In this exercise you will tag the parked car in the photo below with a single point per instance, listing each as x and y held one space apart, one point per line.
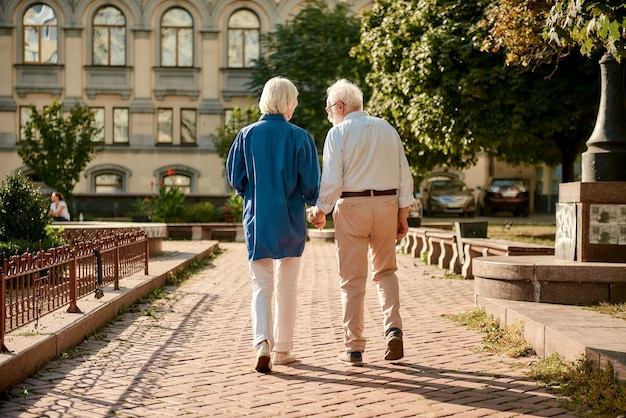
441 195
504 194
415 211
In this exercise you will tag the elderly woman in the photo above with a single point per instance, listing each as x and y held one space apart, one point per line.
273 165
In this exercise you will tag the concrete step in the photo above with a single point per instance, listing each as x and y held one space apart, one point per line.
571 331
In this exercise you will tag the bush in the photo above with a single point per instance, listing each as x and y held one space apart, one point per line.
53 239
23 210
24 219
167 206
235 206
200 212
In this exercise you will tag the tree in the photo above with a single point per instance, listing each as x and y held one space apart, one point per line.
596 25
450 99
312 50
517 26
226 135
58 148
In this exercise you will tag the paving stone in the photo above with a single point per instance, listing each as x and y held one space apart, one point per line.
190 355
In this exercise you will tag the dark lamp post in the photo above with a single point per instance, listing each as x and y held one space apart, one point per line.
605 158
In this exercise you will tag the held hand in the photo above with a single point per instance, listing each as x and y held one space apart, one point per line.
316 217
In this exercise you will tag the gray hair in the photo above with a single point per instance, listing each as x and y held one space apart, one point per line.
347 92
279 96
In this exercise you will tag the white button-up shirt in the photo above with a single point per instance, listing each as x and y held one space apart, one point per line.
363 152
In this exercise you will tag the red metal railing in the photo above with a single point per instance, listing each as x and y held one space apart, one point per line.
37 283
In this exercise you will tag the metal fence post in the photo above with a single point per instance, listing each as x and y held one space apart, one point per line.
146 253
116 265
73 285
3 304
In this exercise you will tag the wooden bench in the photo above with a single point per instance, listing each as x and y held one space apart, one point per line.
482 247
418 241
441 248
219 231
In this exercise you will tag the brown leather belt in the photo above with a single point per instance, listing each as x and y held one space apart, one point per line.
369 193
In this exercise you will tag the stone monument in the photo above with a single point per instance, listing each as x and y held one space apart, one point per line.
589 262
591 215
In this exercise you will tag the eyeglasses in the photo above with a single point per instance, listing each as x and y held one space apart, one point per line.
327 108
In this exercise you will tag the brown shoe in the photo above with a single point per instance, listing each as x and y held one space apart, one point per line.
395 347
352 358
263 360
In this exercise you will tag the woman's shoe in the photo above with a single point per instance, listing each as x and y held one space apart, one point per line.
284 357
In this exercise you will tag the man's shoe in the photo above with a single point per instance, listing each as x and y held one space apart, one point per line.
395 347
263 360
283 357
352 358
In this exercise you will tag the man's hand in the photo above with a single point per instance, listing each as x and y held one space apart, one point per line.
403 224
316 217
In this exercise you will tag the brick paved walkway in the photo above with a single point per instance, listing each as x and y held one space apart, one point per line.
191 356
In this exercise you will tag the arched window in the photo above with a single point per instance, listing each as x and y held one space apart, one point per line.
109 37
243 39
177 38
40 41
108 183
108 178
180 181
179 176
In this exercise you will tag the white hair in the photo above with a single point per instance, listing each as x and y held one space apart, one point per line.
279 96
347 92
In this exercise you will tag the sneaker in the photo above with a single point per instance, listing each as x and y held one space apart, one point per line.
263 360
395 347
283 357
351 358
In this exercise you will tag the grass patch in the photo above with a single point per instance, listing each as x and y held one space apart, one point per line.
587 391
584 390
508 340
540 234
616 310
176 278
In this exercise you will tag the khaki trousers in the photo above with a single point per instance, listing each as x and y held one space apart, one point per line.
366 227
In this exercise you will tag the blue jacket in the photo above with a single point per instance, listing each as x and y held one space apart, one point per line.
273 165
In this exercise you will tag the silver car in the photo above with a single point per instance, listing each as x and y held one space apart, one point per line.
448 196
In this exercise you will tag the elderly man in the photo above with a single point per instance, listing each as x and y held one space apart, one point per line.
366 179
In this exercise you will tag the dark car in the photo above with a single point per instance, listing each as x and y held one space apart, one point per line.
448 196
502 194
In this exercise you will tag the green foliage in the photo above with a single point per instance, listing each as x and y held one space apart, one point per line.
24 220
592 25
226 135
167 206
517 26
450 100
592 392
141 208
235 204
23 210
509 340
58 148
312 50
200 212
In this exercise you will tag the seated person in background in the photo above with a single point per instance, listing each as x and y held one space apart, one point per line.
58 208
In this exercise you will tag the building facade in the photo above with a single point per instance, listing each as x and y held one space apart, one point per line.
160 76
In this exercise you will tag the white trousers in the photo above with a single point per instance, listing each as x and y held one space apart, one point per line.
277 329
